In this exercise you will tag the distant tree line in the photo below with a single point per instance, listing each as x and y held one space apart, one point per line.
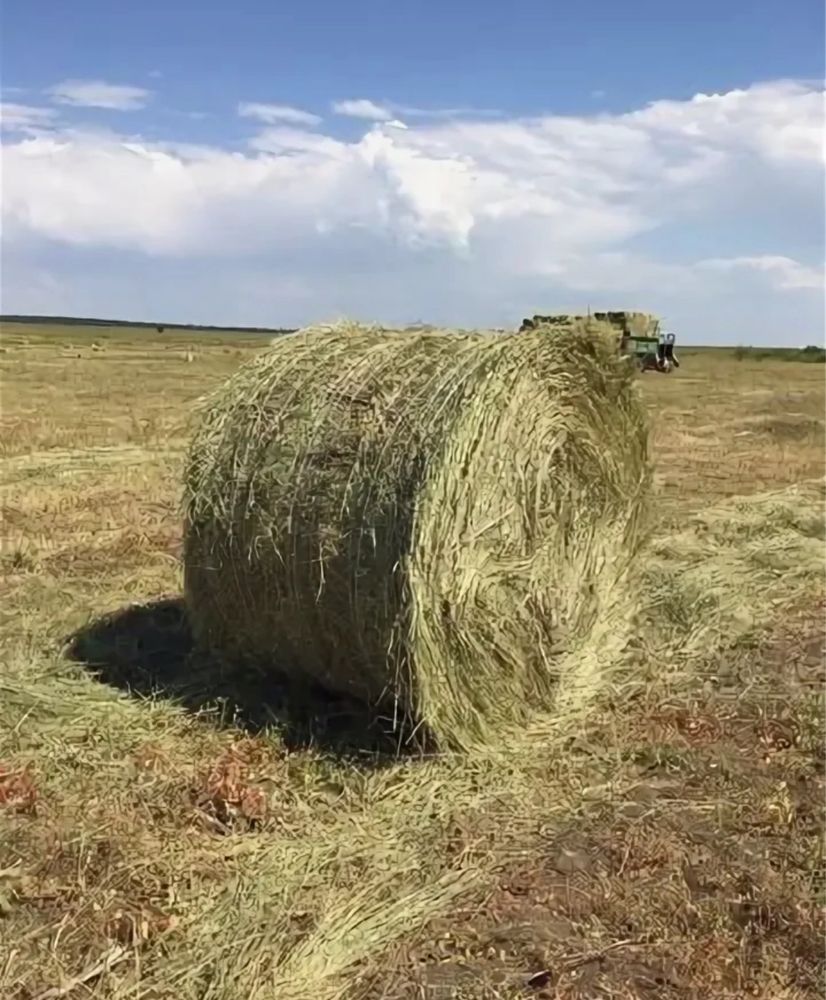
811 353
140 324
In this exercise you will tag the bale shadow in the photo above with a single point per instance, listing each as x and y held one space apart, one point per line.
148 650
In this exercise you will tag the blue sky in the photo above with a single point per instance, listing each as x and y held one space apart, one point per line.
462 162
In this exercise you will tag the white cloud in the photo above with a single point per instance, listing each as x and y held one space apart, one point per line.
707 210
284 140
787 274
272 113
385 111
437 113
25 117
362 108
756 120
98 94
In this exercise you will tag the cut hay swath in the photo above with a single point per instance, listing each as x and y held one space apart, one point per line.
432 522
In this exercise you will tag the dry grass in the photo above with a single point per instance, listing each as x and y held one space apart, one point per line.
440 524
215 841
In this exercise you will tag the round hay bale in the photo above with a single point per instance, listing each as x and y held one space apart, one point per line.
434 520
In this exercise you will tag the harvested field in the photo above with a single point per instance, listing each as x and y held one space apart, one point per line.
169 830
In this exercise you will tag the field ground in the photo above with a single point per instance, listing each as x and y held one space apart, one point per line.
167 833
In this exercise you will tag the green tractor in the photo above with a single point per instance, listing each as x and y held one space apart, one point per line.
640 336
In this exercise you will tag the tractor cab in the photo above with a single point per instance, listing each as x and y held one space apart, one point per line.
654 353
644 341
666 359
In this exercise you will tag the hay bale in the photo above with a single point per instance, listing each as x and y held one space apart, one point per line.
634 323
439 520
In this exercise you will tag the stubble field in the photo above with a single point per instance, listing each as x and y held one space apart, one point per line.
169 831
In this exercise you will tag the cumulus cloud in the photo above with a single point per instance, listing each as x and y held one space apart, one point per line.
362 108
99 94
272 113
679 207
756 120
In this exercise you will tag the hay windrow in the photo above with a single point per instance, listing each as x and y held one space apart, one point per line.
438 522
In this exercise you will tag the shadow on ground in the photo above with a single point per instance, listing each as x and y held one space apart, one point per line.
148 650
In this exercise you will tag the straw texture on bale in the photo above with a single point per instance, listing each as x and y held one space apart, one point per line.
435 521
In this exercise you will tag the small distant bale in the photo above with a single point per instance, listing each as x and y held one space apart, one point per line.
160 329
438 524
97 347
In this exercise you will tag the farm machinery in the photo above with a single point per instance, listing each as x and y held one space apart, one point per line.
640 336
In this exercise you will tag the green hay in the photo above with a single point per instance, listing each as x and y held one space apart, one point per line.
436 521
